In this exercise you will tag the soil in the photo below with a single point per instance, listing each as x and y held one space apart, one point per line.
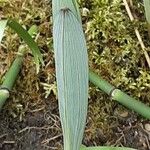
41 130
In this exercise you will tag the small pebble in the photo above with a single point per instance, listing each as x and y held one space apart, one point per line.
124 114
85 12
147 127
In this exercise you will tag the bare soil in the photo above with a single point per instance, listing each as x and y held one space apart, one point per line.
41 130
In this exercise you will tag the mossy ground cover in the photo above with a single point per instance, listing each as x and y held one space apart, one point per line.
30 117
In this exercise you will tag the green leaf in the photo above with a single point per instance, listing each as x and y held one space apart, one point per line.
147 10
62 4
72 76
29 40
3 24
105 148
25 36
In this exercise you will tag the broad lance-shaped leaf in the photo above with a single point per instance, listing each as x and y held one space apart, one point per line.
62 4
72 76
25 36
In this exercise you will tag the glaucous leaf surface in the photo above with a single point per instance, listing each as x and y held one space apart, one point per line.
72 76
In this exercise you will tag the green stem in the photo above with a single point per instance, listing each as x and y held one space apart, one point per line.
10 79
131 103
11 75
120 96
101 83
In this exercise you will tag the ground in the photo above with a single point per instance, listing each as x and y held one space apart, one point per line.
30 118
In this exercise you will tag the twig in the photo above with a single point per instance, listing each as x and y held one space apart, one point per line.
137 33
35 128
51 139
131 3
9 142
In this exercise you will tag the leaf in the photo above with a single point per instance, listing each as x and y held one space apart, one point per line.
3 24
72 76
106 148
61 4
25 36
29 40
147 10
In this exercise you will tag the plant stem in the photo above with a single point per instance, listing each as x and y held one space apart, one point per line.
120 96
11 75
101 83
10 79
131 103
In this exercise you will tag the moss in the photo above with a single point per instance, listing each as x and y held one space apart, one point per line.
113 47
28 91
115 54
